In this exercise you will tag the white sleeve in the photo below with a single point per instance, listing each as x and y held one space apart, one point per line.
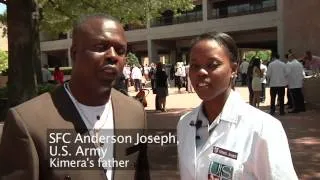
273 158
287 69
268 71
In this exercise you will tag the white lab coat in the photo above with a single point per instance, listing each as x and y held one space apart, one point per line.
258 139
295 74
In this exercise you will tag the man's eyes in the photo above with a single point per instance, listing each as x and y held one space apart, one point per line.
100 48
103 48
121 51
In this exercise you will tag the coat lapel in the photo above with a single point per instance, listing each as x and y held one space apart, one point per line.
188 145
124 125
69 112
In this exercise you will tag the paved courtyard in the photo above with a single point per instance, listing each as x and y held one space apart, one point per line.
303 131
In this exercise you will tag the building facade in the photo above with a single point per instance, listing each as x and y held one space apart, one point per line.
277 25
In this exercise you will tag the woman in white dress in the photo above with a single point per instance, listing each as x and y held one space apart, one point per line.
256 81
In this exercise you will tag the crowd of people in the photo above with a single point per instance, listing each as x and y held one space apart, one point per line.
157 77
282 76
57 77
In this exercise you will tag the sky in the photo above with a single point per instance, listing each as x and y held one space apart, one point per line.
2 8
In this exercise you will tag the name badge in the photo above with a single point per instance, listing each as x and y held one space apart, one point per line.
225 152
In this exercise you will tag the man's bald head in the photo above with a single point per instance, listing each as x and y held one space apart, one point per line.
79 25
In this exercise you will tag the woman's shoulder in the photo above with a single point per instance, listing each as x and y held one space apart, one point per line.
188 116
258 120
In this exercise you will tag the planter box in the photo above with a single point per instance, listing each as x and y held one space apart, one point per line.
311 89
3 81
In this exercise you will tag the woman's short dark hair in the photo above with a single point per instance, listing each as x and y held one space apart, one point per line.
256 62
222 39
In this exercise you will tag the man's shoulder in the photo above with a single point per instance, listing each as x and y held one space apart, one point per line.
125 100
40 101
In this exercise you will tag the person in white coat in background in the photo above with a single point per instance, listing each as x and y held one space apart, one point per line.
224 137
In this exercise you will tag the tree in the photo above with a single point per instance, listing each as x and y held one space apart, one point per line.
55 16
132 59
3 22
3 61
22 45
58 15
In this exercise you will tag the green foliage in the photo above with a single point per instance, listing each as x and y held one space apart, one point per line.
58 15
4 93
3 24
42 88
65 70
250 54
264 55
132 59
3 61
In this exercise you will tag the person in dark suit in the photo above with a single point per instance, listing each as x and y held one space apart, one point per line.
87 102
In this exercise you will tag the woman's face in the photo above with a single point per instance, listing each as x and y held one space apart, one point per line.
210 69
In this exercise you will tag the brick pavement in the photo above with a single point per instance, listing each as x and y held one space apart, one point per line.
303 131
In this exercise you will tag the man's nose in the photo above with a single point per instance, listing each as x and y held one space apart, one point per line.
111 51
111 56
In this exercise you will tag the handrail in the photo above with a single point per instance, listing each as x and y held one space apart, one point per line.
239 10
183 18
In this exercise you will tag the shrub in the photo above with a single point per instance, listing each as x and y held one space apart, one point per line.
3 61
65 70
42 88
3 93
132 59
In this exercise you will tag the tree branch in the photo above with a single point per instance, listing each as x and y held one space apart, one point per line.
89 4
58 9
3 2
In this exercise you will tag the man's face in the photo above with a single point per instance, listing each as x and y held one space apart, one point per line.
99 52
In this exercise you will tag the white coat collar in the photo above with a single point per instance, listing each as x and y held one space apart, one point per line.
230 111
231 108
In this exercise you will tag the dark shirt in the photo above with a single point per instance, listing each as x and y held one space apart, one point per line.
120 84
161 79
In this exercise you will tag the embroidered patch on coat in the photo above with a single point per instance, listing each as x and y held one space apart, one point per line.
218 171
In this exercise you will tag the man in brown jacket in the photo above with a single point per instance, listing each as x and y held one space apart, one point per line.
86 102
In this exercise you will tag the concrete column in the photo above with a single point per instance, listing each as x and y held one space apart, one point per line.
44 58
173 56
69 35
205 10
152 51
69 58
280 29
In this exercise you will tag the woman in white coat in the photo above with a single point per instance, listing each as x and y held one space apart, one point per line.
224 137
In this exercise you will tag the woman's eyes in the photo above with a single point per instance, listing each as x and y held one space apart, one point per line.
212 65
